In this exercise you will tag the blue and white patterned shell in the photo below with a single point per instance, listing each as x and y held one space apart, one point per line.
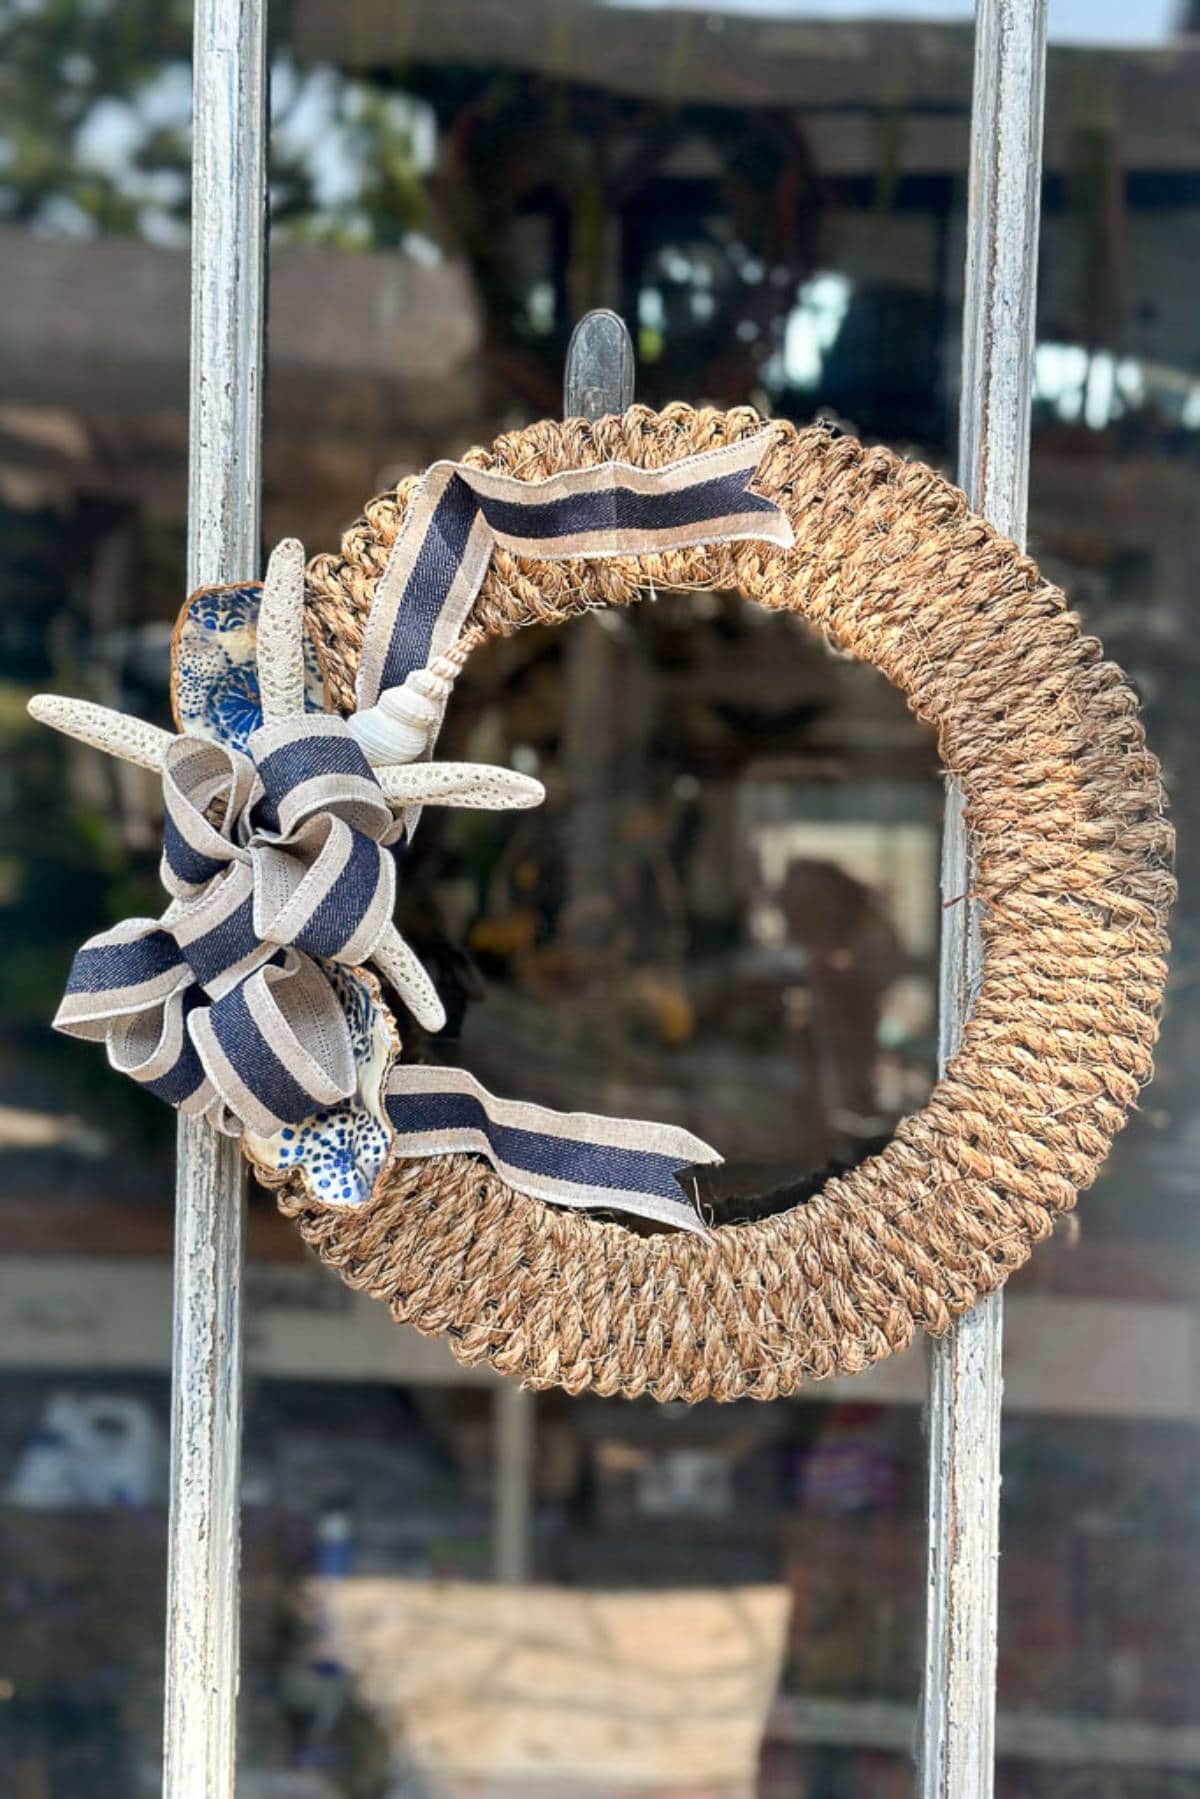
215 680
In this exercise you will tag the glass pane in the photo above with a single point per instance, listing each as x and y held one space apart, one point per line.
93 360
1098 1617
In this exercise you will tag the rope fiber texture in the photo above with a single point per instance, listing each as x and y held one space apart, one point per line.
1074 854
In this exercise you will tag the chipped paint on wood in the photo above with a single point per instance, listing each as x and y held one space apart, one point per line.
956 1746
225 428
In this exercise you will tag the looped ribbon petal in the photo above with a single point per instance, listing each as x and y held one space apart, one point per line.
277 861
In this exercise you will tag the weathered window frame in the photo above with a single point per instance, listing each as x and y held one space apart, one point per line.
956 1733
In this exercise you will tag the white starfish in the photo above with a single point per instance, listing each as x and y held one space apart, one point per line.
394 735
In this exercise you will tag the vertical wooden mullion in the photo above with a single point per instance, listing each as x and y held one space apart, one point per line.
224 468
957 1731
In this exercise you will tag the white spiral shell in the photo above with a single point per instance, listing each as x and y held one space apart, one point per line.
401 725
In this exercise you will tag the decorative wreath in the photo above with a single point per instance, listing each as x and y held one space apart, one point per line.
304 757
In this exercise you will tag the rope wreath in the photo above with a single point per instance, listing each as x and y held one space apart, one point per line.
1066 809
249 1002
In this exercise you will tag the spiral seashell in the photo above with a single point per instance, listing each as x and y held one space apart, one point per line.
401 725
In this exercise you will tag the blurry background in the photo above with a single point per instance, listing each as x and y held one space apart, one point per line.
727 913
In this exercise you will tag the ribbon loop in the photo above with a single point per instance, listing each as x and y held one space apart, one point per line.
328 889
206 787
127 989
216 932
311 765
274 858
155 1049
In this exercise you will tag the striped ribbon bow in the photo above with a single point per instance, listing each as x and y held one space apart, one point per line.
221 1006
279 863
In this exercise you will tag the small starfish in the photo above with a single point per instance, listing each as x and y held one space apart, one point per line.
395 736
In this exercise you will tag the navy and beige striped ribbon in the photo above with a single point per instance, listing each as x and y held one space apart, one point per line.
221 1006
568 1158
278 861
421 603
460 515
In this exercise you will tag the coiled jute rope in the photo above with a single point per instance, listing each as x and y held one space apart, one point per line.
1073 852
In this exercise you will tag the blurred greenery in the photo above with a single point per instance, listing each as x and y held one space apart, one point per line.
60 62
95 103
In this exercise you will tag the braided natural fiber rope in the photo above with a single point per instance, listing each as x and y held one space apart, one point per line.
1066 807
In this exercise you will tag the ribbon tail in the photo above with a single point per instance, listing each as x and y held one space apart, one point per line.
565 1158
619 509
440 557
428 586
